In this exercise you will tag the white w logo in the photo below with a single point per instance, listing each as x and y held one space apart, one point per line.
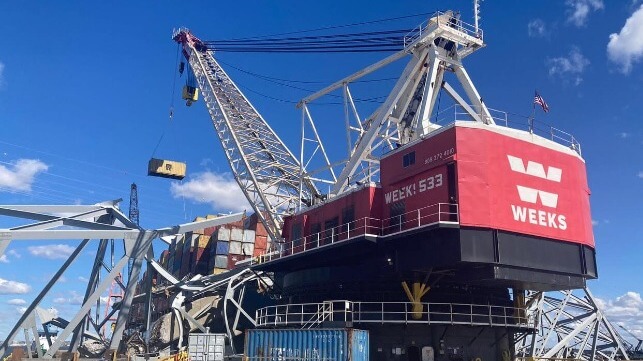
531 195
534 169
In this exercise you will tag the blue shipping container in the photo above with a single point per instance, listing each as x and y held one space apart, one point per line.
223 247
344 344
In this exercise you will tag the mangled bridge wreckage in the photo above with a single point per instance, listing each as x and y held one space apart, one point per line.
456 233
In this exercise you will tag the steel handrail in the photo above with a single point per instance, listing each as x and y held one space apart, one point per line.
394 312
418 219
452 22
457 112
433 214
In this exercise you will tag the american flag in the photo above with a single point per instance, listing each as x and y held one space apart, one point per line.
540 101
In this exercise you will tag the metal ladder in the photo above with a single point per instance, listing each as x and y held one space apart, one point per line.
324 313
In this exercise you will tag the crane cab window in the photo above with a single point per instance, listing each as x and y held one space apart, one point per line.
398 217
348 217
408 159
296 232
330 230
296 238
315 231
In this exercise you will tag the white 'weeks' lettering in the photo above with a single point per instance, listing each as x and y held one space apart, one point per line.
539 217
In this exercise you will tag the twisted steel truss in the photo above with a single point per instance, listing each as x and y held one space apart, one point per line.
571 326
103 222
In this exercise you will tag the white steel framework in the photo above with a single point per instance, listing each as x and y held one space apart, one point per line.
435 48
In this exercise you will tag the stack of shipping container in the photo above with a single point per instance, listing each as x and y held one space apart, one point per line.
230 246
208 251
235 242
217 249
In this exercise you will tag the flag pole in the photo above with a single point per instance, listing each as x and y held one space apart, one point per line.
533 114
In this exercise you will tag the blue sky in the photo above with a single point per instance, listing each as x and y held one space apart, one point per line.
85 91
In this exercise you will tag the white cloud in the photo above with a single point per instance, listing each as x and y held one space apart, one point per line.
537 28
595 222
579 10
1 75
83 279
17 302
54 251
624 135
14 253
4 259
640 174
205 162
13 288
625 310
21 175
74 299
569 68
219 190
21 310
626 47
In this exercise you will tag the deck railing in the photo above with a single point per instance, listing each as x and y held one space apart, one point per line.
309 314
435 214
425 216
457 113
442 19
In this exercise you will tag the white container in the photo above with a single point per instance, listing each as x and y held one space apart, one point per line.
236 234
223 234
248 248
249 236
206 346
235 247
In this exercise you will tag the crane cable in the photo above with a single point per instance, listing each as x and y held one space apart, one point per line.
377 41
171 112
339 26
357 42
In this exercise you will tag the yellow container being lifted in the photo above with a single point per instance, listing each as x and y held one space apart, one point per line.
190 94
166 169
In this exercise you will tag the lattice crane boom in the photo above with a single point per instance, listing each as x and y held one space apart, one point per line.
266 170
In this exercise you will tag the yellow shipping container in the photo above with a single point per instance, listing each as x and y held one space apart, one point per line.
203 241
217 271
166 168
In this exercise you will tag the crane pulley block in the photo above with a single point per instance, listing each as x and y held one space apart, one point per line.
190 94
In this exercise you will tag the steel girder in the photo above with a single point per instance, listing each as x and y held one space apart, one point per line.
102 221
571 325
